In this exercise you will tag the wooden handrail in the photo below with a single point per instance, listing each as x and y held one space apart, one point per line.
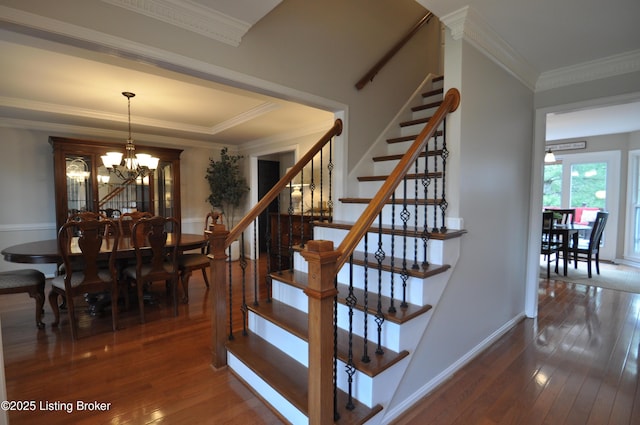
449 104
336 130
391 53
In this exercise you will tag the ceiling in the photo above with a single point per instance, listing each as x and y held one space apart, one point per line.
548 36
564 38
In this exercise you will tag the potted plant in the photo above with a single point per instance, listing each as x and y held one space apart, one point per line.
227 185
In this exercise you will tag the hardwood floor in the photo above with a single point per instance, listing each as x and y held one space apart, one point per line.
577 363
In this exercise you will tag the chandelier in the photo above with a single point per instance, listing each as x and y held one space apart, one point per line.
134 165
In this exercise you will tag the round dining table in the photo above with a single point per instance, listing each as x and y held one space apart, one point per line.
46 251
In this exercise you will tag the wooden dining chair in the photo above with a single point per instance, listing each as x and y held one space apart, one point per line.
549 245
590 250
191 261
127 220
80 243
150 239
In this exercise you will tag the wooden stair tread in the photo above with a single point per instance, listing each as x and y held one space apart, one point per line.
415 122
296 322
389 201
433 92
288 377
417 176
426 106
387 230
400 316
409 139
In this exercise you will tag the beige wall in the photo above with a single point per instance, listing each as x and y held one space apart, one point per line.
304 51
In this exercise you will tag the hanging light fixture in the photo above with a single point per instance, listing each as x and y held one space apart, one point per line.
133 165
549 156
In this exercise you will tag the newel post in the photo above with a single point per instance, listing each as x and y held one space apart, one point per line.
217 258
321 292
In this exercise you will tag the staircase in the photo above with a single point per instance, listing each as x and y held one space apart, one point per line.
385 300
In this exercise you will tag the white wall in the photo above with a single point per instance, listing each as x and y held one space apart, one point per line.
486 290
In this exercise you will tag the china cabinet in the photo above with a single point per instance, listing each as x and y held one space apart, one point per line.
83 183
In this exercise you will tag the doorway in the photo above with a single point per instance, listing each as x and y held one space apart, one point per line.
268 176
588 182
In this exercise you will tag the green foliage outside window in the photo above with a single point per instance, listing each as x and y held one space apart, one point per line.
588 185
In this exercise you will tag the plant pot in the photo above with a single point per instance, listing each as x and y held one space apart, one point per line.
235 251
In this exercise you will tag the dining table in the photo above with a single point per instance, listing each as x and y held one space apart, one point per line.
569 234
47 252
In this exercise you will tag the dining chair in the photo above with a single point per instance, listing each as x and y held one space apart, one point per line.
150 238
81 246
29 281
563 215
589 251
549 245
127 220
188 262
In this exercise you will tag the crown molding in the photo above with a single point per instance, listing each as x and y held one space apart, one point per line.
469 25
190 16
611 66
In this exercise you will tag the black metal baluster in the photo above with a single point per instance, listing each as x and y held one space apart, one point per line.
279 245
350 368
321 183
268 242
231 337
404 215
365 351
330 171
380 255
426 181
290 211
302 237
255 263
392 307
445 154
435 182
415 218
243 267
336 415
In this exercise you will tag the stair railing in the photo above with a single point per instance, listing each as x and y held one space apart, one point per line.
324 263
368 77
220 240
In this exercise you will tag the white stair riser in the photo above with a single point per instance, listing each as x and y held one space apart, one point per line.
368 390
425 113
267 393
290 295
298 349
394 336
413 190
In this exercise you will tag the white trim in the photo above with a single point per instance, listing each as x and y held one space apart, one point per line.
632 190
447 373
27 227
611 66
468 24
190 16
101 42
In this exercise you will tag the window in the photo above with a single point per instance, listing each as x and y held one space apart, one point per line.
588 182
632 246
